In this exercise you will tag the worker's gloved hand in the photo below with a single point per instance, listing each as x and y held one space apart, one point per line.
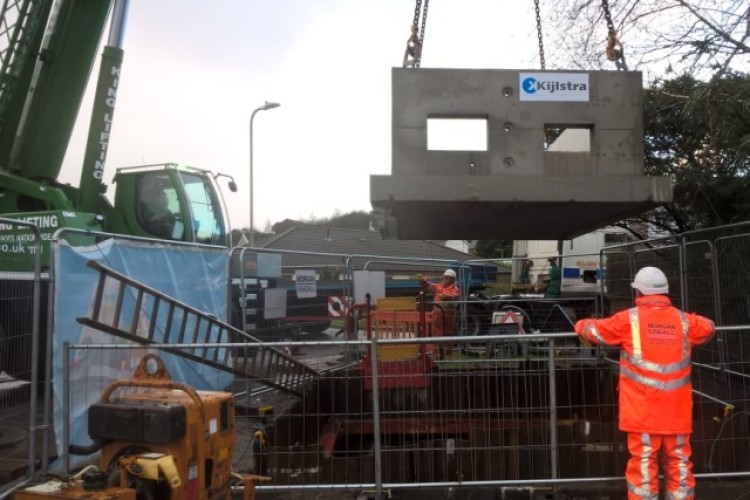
420 277
585 342
440 296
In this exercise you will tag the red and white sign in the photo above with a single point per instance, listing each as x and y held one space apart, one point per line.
336 306
508 317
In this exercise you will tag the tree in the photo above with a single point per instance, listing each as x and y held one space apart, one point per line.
699 132
697 118
351 220
701 37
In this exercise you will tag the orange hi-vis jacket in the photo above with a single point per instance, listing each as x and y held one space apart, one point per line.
443 318
655 341
449 292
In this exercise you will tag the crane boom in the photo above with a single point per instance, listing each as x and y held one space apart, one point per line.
91 186
44 70
62 63
25 24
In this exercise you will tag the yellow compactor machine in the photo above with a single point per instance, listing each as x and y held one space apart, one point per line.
159 439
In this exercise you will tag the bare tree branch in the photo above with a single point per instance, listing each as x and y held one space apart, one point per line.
721 33
700 36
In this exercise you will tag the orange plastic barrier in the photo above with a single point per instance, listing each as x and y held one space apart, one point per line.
392 324
399 365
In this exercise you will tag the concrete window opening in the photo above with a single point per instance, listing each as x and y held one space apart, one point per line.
457 134
568 138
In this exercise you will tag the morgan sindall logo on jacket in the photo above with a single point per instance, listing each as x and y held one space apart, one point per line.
571 87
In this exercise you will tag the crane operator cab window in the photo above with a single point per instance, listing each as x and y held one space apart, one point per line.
158 207
207 215
180 205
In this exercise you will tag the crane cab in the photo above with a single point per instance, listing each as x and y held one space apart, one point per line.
169 202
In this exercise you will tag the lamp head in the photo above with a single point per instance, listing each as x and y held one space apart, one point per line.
270 105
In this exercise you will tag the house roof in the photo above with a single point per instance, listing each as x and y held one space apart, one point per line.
355 241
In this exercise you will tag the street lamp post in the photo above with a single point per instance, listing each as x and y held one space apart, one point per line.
267 105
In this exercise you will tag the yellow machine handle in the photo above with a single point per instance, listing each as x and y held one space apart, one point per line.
150 465
159 379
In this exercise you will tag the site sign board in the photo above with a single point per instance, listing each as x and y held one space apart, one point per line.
552 86
304 282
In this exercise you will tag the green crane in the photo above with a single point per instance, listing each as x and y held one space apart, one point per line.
47 55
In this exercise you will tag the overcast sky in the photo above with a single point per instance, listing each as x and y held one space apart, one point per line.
194 71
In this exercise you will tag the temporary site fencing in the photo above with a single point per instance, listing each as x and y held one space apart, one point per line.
279 294
507 398
22 292
433 412
708 272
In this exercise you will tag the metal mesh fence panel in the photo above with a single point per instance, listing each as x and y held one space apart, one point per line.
296 295
666 257
529 410
21 293
733 272
287 294
618 275
508 399
724 262
721 391
698 281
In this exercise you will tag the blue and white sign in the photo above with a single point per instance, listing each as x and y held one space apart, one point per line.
566 87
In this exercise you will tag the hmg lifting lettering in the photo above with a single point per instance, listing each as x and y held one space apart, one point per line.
110 100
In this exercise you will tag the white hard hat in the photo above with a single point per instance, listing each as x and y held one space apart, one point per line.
450 272
650 281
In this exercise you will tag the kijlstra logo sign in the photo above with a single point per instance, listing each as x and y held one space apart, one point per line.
554 87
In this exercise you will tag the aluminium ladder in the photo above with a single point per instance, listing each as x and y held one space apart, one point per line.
168 320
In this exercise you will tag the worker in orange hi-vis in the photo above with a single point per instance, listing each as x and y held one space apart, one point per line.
656 401
443 317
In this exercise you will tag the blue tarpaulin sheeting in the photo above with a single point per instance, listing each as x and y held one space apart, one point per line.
197 276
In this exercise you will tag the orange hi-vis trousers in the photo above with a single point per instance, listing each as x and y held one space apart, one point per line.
647 451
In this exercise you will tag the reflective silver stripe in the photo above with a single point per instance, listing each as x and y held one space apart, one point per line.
685 339
591 331
656 367
644 494
635 331
637 359
655 383
645 458
682 465
685 324
681 495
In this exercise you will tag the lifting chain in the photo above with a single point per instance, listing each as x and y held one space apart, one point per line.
413 53
422 28
542 63
614 50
